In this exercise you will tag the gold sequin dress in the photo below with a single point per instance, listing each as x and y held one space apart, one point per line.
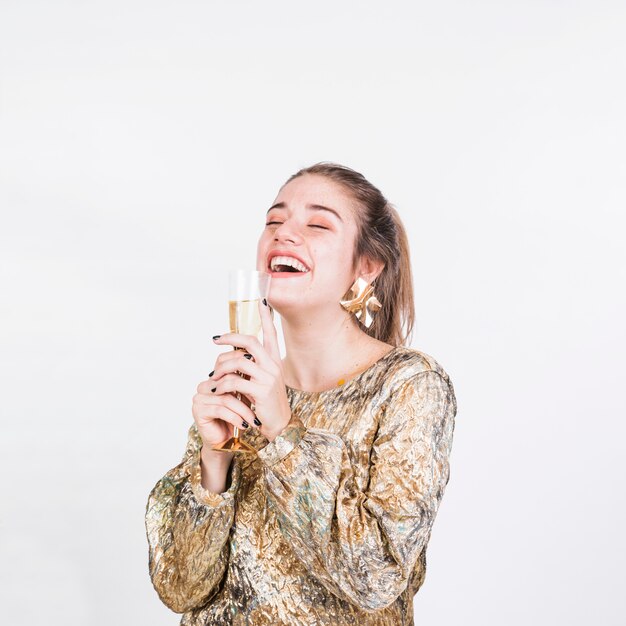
329 523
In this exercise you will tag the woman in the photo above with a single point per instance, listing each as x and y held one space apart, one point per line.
329 522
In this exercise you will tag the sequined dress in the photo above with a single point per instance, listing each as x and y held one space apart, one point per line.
329 523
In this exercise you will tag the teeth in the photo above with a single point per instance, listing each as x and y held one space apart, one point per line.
288 260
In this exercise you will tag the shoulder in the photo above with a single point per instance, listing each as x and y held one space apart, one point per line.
405 364
412 376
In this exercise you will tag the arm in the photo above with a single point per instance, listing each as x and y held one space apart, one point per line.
363 546
187 529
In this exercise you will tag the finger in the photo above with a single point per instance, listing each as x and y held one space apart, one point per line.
225 362
238 362
243 364
233 383
225 357
206 405
248 342
225 413
270 337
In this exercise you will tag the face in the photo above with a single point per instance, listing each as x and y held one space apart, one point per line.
312 222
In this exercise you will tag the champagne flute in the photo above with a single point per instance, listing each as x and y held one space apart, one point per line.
246 289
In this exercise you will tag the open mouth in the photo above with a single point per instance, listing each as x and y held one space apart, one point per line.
287 265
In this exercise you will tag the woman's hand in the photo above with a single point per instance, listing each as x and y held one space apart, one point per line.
266 387
216 415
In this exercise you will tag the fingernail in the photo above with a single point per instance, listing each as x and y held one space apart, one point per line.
245 424
211 374
247 356
214 388
257 422
216 337
264 301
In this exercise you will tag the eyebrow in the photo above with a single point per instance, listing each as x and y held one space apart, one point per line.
309 207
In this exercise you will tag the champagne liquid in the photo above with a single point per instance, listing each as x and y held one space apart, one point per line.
244 317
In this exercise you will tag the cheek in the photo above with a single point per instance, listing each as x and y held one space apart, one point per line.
337 263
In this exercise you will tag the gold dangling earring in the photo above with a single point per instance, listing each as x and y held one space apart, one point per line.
361 302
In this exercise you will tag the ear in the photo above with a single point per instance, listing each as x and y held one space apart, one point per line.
369 269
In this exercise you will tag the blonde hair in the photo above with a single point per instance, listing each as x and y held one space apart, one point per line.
381 236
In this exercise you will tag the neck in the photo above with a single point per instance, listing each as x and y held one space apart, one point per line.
325 347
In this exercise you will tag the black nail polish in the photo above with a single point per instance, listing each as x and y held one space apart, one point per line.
216 336
247 356
211 374
245 424
214 388
264 301
257 422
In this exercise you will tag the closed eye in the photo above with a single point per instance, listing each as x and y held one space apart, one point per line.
311 225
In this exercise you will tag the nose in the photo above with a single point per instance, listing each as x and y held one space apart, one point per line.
288 231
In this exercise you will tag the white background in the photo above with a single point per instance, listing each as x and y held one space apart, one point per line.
140 145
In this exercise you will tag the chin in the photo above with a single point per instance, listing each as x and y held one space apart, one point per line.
283 302
280 303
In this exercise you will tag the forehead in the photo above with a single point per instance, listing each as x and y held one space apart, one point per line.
315 189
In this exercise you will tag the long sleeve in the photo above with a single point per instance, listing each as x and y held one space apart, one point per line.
187 529
363 545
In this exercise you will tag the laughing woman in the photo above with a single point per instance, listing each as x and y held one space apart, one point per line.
329 523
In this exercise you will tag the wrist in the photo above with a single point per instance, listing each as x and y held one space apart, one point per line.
215 458
215 469
271 435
